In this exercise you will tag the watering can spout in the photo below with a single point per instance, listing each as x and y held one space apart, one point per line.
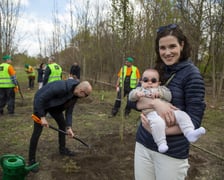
31 167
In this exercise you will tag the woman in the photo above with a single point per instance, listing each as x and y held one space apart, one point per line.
40 76
187 88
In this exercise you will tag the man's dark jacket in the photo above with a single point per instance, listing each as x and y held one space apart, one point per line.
58 94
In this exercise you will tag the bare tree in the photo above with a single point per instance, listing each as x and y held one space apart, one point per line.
9 13
55 42
153 13
216 45
100 43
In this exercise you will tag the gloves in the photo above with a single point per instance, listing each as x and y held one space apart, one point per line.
16 89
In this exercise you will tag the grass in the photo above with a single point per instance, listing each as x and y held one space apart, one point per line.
90 119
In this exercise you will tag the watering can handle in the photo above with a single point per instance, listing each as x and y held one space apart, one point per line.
10 156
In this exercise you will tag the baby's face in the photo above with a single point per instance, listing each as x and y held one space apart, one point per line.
150 79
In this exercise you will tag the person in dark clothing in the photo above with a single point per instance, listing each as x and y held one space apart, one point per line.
187 87
40 75
75 71
8 85
128 76
54 98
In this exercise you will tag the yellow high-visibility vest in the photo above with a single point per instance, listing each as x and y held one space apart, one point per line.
5 78
56 72
133 78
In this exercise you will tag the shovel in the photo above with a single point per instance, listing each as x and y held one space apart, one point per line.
38 120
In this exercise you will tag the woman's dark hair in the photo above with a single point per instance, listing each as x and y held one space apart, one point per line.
41 65
173 30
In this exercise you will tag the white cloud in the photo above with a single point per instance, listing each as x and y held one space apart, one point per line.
30 28
40 20
24 2
29 24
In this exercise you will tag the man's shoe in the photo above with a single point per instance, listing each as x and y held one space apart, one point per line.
66 152
111 115
126 114
11 114
36 169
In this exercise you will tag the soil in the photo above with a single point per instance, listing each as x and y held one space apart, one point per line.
111 140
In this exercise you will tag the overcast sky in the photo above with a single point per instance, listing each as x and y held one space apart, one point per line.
36 15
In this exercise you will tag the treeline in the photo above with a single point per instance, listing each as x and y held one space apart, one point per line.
101 40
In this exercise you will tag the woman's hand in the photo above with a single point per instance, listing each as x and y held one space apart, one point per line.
174 130
166 111
145 123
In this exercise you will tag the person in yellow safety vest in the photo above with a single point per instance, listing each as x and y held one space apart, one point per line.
53 71
8 85
31 75
130 75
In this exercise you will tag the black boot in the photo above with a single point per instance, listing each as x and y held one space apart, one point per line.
127 112
113 113
66 152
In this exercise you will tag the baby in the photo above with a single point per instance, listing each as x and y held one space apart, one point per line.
150 88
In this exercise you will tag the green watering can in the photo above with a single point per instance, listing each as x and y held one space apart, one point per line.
14 167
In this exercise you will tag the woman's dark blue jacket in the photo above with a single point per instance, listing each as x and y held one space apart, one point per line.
57 94
188 91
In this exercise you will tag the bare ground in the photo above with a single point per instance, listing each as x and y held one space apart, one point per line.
111 154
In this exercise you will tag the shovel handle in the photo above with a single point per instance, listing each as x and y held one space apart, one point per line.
38 120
